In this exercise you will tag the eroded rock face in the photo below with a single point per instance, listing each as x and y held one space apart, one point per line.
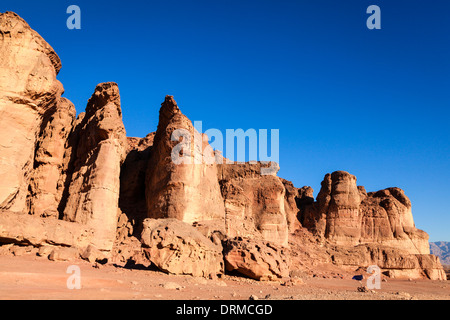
394 262
26 229
258 260
338 203
188 191
370 228
176 247
254 203
345 214
132 200
100 146
387 219
51 162
291 198
29 90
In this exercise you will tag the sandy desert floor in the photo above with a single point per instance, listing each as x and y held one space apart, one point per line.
30 277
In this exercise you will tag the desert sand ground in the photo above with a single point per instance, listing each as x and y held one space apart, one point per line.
32 277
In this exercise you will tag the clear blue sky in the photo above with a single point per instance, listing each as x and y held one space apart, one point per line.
374 103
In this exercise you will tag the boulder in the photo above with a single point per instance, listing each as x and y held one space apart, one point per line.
64 254
258 260
92 254
176 247
26 229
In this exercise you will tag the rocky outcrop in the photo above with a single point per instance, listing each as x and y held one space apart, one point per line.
181 183
254 203
336 214
256 259
291 207
79 187
346 215
369 228
51 162
387 219
176 247
32 230
29 92
100 146
393 262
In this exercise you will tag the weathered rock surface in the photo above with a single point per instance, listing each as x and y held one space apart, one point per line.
254 203
26 229
336 214
291 207
187 190
178 248
395 263
345 214
256 259
29 91
93 193
64 254
369 228
92 254
51 162
387 219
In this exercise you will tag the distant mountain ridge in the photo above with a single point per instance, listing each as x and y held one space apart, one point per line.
442 250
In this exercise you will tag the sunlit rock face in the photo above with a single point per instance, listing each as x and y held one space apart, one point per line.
29 94
188 190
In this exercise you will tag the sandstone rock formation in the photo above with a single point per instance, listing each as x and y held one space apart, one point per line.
30 92
393 262
31 230
52 166
369 228
178 248
78 187
254 203
256 259
345 214
189 190
47 181
100 146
